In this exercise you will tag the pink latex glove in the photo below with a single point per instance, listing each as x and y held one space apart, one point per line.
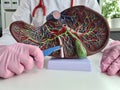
110 63
17 58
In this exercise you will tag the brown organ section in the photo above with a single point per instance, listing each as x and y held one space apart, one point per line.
85 24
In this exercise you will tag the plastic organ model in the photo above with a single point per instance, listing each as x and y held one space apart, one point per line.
79 30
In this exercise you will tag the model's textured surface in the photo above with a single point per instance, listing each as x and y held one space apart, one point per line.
80 23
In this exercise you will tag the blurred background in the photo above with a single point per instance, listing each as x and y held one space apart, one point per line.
110 10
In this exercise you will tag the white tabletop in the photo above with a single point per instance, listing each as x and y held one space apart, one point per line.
63 80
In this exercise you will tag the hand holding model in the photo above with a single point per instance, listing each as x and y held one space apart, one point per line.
110 63
18 58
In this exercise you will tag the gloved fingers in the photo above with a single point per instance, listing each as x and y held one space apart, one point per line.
6 74
115 43
4 71
118 73
28 63
114 67
108 57
17 68
37 55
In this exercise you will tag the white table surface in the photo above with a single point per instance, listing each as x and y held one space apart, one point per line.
61 80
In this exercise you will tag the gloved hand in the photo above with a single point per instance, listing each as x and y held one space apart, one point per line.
17 58
110 63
